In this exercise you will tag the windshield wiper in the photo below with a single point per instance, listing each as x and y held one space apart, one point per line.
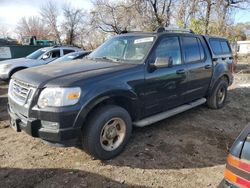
109 58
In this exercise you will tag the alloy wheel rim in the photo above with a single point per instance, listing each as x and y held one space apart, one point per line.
221 95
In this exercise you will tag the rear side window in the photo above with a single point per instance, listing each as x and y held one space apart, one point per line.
193 50
216 47
67 51
219 46
225 47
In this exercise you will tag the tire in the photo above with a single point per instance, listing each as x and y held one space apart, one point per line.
218 96
107 132
5 80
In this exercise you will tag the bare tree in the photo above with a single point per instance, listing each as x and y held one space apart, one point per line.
32 26
162 11
186 11
203 16
225 6
112 17
90 39
209 5
72 19
49 13
4 32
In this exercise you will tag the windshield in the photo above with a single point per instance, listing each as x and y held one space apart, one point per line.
124 48
36 54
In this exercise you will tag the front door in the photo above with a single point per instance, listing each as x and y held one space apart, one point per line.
164 86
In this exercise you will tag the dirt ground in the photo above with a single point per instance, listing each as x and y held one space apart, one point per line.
187 150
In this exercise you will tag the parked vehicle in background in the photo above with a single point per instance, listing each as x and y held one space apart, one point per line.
39 57
243 48
237 172
7 41
71 56
32 40
11 49
45 42
132 79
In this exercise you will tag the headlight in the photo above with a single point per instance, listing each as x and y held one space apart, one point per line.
57 97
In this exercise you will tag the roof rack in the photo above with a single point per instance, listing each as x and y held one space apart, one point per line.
125 32
173 29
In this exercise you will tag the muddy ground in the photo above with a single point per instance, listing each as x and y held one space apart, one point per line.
187 150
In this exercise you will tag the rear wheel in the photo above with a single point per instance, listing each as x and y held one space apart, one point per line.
218 96
107 132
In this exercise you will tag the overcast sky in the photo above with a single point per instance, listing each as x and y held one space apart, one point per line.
12 10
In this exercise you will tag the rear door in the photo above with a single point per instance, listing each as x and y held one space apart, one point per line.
199 67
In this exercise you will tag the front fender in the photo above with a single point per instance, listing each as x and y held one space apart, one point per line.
97 96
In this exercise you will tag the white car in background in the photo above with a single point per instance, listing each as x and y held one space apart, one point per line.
41 56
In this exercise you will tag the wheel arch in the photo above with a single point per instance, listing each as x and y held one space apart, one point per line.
224 76
15 69
126 99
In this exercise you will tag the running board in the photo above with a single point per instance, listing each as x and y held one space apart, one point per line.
169 113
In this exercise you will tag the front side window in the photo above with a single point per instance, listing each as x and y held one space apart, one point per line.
51 55
168 48
54 54
128 49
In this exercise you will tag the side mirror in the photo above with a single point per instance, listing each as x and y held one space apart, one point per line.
162 62
45 56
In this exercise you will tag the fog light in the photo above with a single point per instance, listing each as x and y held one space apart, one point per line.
50 125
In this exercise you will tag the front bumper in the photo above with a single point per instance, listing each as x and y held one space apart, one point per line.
67 136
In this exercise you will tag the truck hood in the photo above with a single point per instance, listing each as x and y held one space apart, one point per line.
39 76
18 61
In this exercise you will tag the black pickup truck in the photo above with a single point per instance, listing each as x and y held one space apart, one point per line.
132 79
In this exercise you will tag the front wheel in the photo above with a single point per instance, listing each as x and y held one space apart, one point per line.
218 96
107 132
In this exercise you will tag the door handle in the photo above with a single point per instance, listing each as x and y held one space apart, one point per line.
181 71
223 58
208 66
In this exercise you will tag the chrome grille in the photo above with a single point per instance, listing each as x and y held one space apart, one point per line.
21 92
